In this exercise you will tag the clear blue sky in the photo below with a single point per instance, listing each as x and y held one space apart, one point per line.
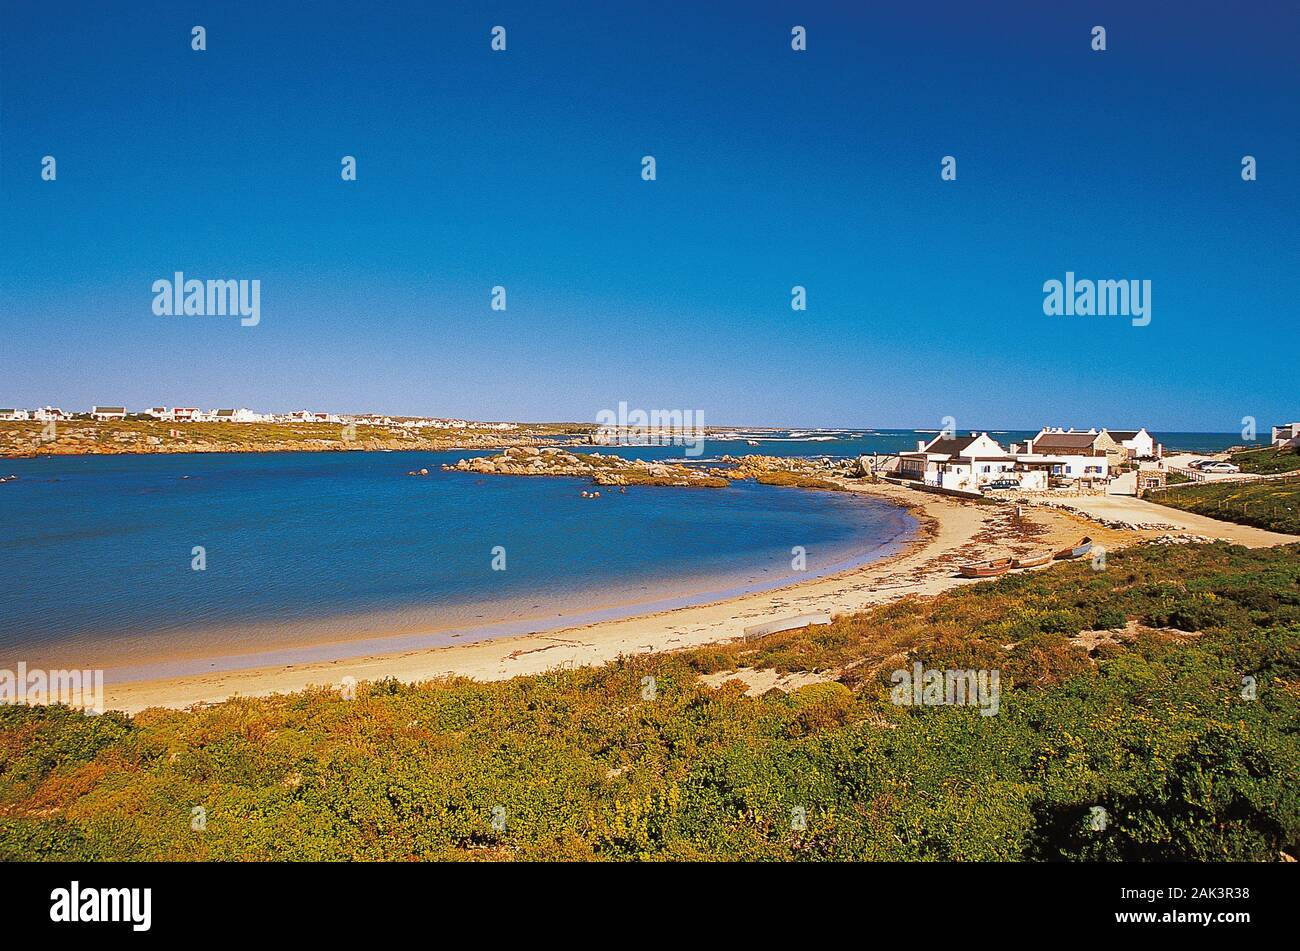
775 168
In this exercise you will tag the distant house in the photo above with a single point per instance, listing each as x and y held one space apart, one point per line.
1288 435
245 415
161 412
1140 444
1150 476
49 413
184 414
14 414
960 462
103 413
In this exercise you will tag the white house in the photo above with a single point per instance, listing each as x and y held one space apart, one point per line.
1288 435
1036 470
14 414
102 413
161 412
245 415
49 413
1140 444
184 414
962 462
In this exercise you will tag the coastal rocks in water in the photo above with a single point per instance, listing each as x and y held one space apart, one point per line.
794 470
602 470
418 472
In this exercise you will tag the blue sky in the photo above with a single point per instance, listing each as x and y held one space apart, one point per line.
775 168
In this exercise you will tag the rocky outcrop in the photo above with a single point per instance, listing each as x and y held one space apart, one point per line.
600 469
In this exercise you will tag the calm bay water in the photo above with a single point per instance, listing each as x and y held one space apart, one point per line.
323 549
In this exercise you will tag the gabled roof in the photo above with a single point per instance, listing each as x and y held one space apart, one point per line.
109 409
951 447
1119 435
1065 441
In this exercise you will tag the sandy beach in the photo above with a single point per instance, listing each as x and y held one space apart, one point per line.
953 532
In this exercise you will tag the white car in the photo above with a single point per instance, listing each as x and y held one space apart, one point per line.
1220 467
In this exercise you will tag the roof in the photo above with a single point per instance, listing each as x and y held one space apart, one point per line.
951 447
1122 434
1065 441
109 409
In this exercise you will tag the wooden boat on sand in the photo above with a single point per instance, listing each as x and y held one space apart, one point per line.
1032 560
1078 550
986 569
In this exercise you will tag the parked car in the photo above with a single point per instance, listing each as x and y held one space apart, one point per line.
1003 484
1220 467
1197 463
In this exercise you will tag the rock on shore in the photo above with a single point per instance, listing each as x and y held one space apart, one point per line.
601 469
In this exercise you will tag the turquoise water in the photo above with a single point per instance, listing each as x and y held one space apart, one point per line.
326 554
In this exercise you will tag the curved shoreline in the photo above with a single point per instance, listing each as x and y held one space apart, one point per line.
952 531
423 638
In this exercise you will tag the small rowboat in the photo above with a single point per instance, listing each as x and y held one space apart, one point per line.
1078 550
986 569
1032 560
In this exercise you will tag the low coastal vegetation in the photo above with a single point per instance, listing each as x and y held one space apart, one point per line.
600 468
1273 504
797 480
612 470
91 437
1268 461
1148 711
